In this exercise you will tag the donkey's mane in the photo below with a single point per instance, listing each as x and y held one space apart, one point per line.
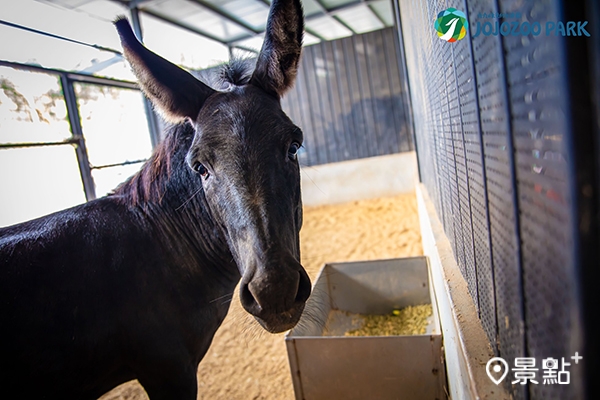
148 184
236 72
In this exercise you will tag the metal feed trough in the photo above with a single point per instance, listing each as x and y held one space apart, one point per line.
325 364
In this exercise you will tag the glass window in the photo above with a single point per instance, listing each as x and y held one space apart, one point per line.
115 129
36 181
32 108
78 24
107 179
88 21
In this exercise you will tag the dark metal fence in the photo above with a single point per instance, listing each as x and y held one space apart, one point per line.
349 99
504 129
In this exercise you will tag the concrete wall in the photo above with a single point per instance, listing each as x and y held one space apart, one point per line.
360 179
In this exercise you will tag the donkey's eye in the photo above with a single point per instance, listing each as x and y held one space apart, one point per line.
293 150
201 169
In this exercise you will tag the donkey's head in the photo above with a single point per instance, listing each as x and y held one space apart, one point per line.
244 154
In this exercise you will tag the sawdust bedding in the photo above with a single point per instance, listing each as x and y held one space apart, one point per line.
244 362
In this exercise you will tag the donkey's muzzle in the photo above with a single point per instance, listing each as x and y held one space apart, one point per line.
275 295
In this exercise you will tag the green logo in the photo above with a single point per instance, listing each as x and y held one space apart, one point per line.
451 25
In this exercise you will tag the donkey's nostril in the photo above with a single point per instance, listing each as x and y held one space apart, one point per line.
248 300
275 292
303 288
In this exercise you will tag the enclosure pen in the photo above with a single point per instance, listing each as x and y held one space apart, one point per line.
436 163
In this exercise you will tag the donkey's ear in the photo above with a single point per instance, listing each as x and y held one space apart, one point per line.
172 90
277 63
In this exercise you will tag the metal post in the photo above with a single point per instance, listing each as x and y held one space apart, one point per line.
77 134
406 83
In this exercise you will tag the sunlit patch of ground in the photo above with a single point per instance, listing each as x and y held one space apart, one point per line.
244 362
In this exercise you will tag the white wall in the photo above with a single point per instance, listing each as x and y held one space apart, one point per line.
365 178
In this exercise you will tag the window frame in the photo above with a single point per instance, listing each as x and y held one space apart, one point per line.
77 138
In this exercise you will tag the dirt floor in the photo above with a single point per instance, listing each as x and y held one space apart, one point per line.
244 362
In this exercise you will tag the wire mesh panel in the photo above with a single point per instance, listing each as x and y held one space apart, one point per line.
535 77
493 142
453 159
468 160
500 310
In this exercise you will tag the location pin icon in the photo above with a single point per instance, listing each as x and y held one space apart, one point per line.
495 367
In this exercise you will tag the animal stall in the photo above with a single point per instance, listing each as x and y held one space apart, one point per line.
490 106
374 107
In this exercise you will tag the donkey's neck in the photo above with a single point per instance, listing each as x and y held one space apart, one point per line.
169 198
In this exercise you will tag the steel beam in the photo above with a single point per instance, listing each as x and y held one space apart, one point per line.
77 134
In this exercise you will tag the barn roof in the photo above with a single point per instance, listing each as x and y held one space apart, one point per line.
216 29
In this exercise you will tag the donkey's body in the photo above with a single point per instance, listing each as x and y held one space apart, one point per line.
135 285
110 291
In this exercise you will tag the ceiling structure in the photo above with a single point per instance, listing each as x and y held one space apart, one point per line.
241 23
78 35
